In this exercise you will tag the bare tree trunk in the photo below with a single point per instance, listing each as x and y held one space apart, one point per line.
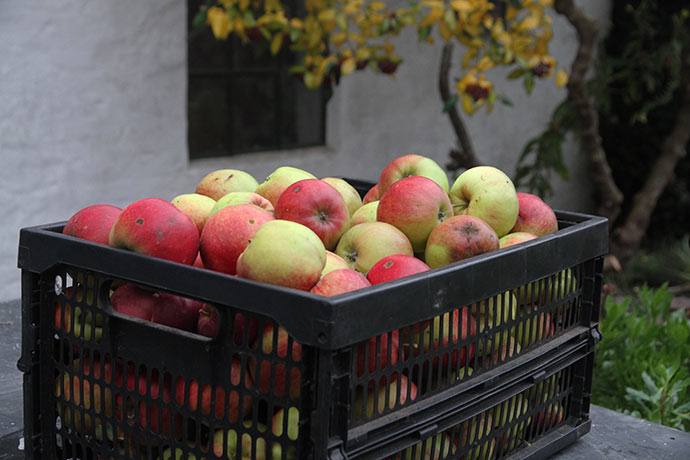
610 196
463 156
628 237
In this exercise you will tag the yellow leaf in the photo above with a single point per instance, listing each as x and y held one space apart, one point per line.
376 6
469 55
309 80
338 38
244 4
220 23
467 104
529 23
389 47
296 23
276 43
348 66
485 63
561 78
461 6
436 4
326 15
444 30
433 16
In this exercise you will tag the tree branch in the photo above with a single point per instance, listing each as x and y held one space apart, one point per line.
463 156
610 196
628 237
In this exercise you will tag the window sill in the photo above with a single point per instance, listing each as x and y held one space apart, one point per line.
260 159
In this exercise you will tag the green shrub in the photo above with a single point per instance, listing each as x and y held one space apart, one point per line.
642 365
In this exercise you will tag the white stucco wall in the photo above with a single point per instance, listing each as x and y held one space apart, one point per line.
93 110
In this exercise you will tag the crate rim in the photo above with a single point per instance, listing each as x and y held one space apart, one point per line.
330 322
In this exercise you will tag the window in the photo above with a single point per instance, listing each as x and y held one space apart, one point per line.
240 98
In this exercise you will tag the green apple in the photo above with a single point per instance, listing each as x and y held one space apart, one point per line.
279 180
433 448
223 181
477 430
348 192
333 262
248 447
492 313
367 213
488 193
533 329
179 454
411 165
242 198
379 405
197 207
365 244
507 412
291 431
284 253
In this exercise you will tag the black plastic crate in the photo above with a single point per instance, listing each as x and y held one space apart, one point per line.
353 372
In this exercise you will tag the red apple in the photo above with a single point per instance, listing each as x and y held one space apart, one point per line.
272 377
371 195
411 165
316 205
339 282
458 238
239 325
534 216
395 266
93 223
368 348
134 301
208 321
223 181
227 234
200 397
515 238
448 329
234 198
414 205
175 311
155 227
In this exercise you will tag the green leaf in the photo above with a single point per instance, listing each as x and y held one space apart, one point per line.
528 82
423 33
516 73
297 69
450 103
266 33
199 19
505 100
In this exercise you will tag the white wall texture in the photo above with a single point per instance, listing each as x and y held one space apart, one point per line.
93 110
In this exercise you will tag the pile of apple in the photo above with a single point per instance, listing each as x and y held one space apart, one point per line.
319 235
